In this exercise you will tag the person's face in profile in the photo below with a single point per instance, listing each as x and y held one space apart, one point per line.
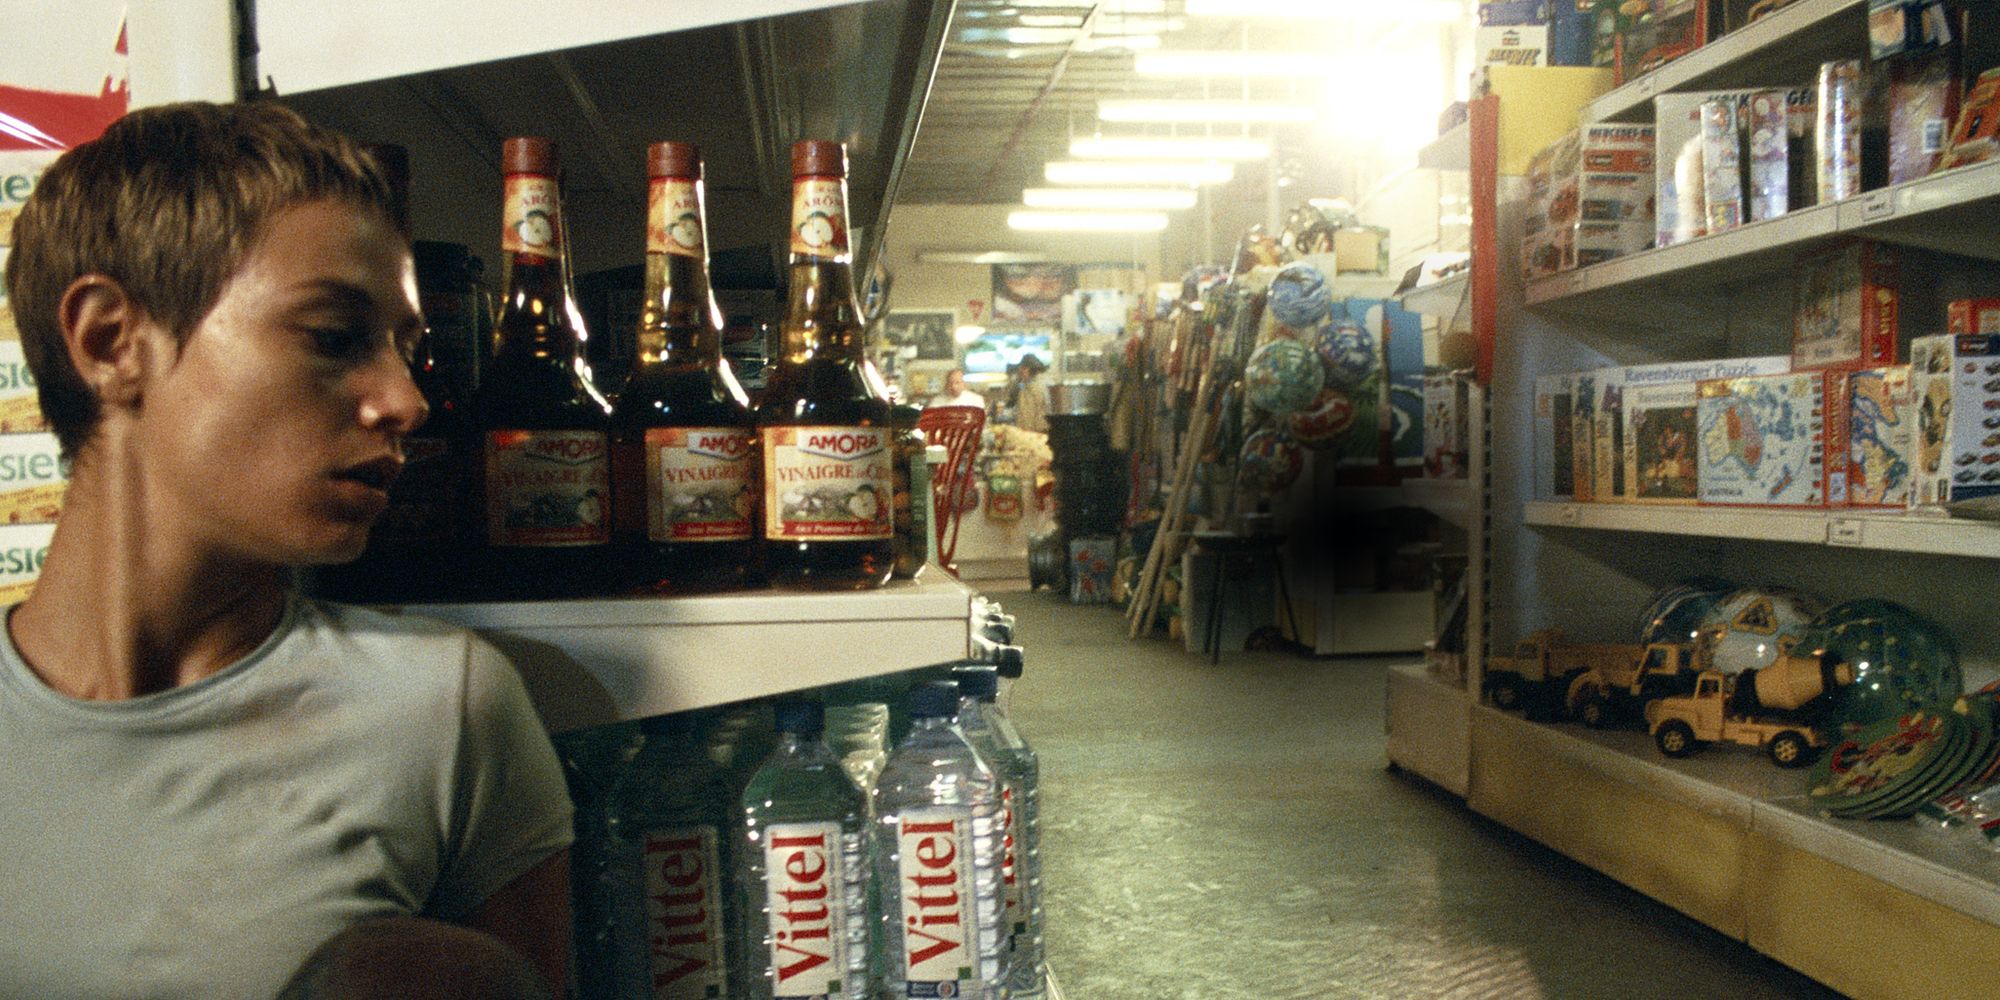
954 381
278 427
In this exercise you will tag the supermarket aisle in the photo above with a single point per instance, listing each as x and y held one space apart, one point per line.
1215 833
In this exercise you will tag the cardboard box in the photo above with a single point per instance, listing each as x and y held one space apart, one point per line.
33 478
1677 125
1555 456
1091 564
1976 137
1498 12
1881 438
1444 426
1583 436
1658 450
1591 199
1844 307
23 547
1764 441
1669 30
1721 166
1607 436
1973 316
1512 45
1955 385
1923 104
1538 105
1570 32
1361 248
1767 124
20 405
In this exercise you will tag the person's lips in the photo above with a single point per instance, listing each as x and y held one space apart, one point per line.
378 474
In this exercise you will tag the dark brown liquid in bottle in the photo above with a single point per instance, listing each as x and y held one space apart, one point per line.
545 489
685 468
826 526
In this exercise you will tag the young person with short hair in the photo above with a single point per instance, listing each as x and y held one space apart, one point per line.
204 775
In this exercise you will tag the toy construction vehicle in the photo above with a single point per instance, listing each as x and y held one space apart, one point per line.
1615 689
1772 709
1545 665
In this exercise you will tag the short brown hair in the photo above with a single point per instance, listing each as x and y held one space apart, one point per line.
166 203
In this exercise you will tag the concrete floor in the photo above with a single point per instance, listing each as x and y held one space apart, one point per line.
1213 833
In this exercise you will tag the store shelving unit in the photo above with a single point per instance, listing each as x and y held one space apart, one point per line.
1444 298
1724 837
1450 151
590 662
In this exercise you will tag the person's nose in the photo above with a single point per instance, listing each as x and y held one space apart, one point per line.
393 402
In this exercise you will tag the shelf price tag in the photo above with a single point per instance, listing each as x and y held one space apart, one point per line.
1844 531
1647 84
1568 514
1877 205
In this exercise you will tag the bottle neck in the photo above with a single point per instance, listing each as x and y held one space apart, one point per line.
535 308
822 317
680 321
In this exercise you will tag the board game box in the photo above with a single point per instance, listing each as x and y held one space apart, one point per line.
1764 440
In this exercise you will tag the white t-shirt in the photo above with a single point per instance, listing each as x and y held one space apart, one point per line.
199 842
965 397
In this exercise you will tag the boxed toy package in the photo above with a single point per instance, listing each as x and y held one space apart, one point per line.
1545 223
1658 450
1844 307
1777 159
1881 423
1615 186
1976 137
1973 316
1583 432
1444 426
1955 382
1923 103
1607 435
1658 33
1512 45
1555 457
1721 166
1764 440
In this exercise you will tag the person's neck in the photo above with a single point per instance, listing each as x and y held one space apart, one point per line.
124 606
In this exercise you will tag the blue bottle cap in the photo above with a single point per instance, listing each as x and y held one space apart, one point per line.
934 700
981 682
800 716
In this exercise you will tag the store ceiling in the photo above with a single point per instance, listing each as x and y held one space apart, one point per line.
1019 78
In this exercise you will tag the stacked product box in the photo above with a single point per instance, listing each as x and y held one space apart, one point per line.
1583 432
1774 156
1881 422
32 478
1955 384
1590 199
1555 457
1444 426
1973 316
1844 307
1657 450
1765 441
1607 435
1615 187
1513 45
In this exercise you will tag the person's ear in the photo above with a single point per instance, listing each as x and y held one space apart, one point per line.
104 331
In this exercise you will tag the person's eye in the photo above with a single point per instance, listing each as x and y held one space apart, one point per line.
339 341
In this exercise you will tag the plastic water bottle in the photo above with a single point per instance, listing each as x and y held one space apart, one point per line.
592 760
805 871
667 826
937 859
1020 774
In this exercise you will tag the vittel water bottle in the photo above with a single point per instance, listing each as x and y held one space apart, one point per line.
937 860
1019 771
667 828
805 872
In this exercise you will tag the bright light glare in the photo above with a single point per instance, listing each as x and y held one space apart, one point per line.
1088 222
1191 147
1169 199
967 334
1206 111
1387 98
1115 172
1187 62
1117 43
1438 11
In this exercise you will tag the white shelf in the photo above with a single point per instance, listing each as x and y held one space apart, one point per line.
1783 49
1444 299
590 662
1450 151
1887 531
1429 732
1956 211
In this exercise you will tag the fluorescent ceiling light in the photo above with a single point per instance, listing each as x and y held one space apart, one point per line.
1437 11
980 257
1088 222
1170 199
1205 111
1018 36
1114 172
1191 147
1188 62
1136 25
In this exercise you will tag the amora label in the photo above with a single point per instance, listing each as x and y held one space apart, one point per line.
938 909
698 484
827 483
673 217
803 877
529 224
819 216
684 937
547 488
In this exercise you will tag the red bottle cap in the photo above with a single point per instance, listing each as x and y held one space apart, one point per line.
673 159
819 158
528 154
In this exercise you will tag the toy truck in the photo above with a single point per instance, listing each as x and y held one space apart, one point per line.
1612 690
1543 667
1771 709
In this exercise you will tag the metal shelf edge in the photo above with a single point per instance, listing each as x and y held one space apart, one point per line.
1745 43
